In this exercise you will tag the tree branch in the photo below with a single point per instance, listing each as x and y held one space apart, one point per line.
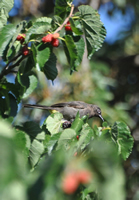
66 20
7 69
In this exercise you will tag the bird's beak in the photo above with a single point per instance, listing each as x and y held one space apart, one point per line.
101 117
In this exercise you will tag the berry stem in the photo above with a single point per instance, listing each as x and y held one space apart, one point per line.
66 20
61 38
75 17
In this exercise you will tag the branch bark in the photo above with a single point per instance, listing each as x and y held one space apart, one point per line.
66 20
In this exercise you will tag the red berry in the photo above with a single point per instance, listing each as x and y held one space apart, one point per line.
55 42
21 38
84 176
47 38
70 183
77 137
56 35
68 27
25 51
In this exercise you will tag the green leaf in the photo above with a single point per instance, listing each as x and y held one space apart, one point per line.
19 28
77 123
5 7
52 142
43 54
36 150
123 138
36 29
8 102
23 142
65 138
33 82
33 130
76 26
109 180
70 51
12 105
49 68
80 46
5 36
13 163
26 80
61 7
86 136
56 22
44 19
53 123
93 28
27 65
37 136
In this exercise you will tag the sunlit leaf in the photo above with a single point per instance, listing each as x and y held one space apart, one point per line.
124 140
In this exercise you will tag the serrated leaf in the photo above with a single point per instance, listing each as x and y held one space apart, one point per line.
37 28
124 141
49 68
77 123
93 28
26 81
27 64
36 150
33 130
43 54
37 136
52 142
65 138
5 7
76 26
44 19
22 140
33 81
5 36
61 7
86 135
53 123
80 46
19 28
56 22
70 50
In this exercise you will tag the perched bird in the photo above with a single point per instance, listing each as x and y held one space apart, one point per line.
70 109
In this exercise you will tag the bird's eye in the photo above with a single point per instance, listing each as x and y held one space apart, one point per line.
99 112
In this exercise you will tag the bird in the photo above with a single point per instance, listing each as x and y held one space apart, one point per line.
70 109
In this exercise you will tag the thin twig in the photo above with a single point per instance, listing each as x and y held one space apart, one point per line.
66 20
14 58
7 66
7 69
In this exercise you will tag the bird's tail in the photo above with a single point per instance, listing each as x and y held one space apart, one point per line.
37 106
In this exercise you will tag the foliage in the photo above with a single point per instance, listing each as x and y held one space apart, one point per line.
35 156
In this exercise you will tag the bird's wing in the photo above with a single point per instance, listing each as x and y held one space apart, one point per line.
74 104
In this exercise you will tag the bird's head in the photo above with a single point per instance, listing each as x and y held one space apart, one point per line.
97 112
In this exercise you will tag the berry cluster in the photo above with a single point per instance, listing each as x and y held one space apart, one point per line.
21 38
68 27
74 178
51 38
